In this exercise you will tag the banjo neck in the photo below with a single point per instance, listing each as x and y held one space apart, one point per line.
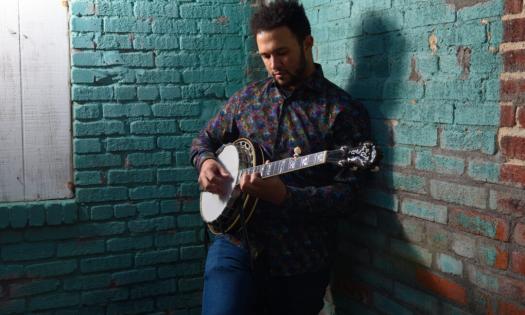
286 165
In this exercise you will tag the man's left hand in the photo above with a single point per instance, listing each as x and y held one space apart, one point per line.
270 189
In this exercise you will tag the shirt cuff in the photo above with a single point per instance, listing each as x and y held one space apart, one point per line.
199 159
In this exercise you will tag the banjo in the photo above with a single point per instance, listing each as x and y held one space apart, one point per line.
225 213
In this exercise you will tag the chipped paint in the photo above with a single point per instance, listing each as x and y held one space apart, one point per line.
414 74
461 4
463 55
432 43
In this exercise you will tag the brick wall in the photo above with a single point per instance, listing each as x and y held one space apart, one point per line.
145 75
444 230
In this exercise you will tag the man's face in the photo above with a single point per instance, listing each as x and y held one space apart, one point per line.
283 56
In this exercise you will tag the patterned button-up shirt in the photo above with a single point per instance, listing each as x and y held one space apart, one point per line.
297 236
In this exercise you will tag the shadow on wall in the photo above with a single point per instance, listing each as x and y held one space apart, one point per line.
376 260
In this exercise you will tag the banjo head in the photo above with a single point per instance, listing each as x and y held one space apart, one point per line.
213 205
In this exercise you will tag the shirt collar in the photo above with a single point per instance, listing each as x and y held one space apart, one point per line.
315 81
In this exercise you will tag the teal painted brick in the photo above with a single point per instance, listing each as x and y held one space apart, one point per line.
428 303
84 178
105 263
129 243
177 239
103 212
484 171
382 199
492 90
192 11
176 174
335 11
97 160
479 115
32 288
411 252
481 279
102 194
203 89
209 42
80 248
144 306
215 27
80 93
149 159
174 142
189 190
410 90
203 76
82 7
99 128
406 182
51 269
37 215
86 24
79 75
152 224
429 15
114 41
4 217
427 161
189 221
148 9
12 237
192 252
112 58
127 25
86 146
58 213
148 208
389 306
125 93
188 285
115 8
170 92
82 41
18 216
469 138
126 110
130 144
160 42
154 289
459 194
104 296
86 112
212 59
191 206
28 251
8 272
134 276
413 230
174 26
188 300
156 257
148 93
151 192
439 112
87 282
158 76
461 90
87 58
182 159
449 264
172 60
138 59
179 270
489 253
416 133
424 210
175 109
130 176
124 210
50 301
170 206
191 125
154 127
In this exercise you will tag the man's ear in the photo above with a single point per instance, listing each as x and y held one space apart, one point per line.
308 42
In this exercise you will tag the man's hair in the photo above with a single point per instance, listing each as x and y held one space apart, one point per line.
279 13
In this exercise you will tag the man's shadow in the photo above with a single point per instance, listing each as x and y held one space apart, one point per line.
371 239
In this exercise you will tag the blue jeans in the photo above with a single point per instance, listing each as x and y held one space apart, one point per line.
232 288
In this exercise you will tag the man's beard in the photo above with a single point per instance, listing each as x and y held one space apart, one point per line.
297 76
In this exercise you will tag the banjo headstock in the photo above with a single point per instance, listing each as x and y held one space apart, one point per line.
363 156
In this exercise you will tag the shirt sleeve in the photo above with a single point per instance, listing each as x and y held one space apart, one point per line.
334 196
219 130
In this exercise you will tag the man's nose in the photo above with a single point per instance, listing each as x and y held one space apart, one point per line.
275 62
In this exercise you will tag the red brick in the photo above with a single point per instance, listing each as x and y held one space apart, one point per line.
513 147
512 173
507 116
506 308
514 30
442 286
502 258
477 223
512 288
512 90
518 262
514 61
513 6
519 234
521 117
507 203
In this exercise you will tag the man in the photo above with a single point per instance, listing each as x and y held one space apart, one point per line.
292 229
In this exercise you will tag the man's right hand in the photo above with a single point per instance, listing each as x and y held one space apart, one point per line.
214 177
